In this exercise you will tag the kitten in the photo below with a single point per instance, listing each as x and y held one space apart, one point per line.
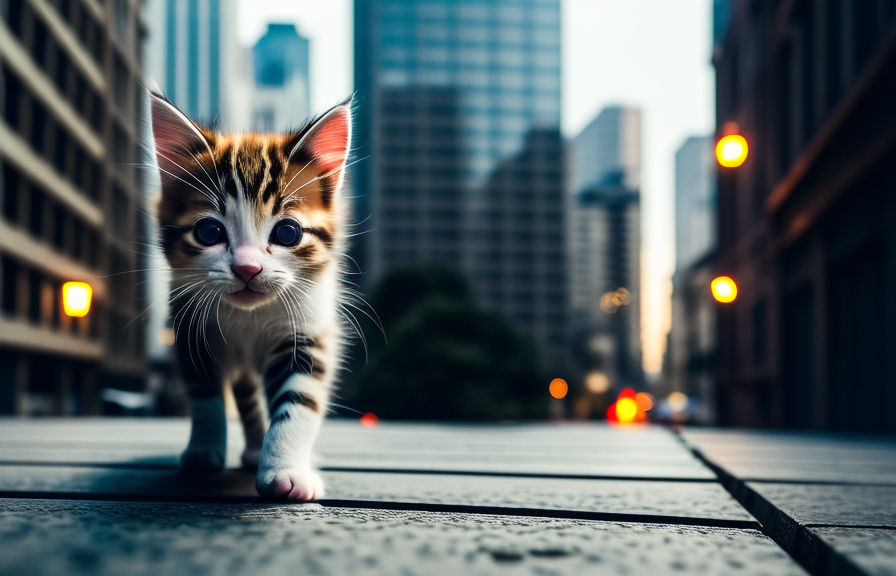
252 226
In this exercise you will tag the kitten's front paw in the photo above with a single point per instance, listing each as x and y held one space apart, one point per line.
291 483
202 459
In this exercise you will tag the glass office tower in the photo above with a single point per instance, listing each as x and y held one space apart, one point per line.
458 115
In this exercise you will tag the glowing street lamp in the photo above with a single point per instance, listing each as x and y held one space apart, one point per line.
731 150
76 298
723 289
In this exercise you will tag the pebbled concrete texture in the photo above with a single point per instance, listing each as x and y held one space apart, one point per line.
832 504
870 550
159 538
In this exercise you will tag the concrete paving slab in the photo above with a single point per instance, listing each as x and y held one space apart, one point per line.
342 435
157 538
838 505
805 457
141 456
857 550
685 500
587 451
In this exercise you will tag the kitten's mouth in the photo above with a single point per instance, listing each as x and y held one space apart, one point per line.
247 297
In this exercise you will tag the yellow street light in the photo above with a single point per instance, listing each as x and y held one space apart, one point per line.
76 298
724 289
731 150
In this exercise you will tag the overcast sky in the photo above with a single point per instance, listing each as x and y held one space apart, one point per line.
648 53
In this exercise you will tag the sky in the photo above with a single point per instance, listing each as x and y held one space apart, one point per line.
654 54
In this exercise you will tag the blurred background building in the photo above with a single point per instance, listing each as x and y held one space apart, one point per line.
458 117
280 96
193 57
609 144
70 191
691 353
807 226
605 248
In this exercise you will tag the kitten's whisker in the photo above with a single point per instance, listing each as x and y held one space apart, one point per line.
215 201
196 178
297 173
156 301
211 181
218 318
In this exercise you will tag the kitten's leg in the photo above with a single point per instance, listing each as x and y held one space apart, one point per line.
253 414
297 390
207 449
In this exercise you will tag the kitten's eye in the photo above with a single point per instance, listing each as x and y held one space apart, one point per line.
286 233
208 231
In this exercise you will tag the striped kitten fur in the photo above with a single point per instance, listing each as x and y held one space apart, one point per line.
252 226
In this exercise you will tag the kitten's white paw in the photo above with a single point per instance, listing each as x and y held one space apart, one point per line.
202 459
291 483
250 458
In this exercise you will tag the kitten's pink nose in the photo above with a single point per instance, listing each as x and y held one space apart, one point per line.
246 271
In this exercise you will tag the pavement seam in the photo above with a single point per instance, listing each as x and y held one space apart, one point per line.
620 517
805 548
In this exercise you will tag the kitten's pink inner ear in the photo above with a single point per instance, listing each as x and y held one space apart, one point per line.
329 141
173 132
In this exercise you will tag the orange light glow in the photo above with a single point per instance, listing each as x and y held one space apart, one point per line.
558 388
723 289
626 410
731 150
627 393
369 420
644 401
76 298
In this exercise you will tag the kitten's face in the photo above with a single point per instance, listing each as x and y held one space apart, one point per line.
250 218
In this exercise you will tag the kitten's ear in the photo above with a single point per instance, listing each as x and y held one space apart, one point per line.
176 136
327 141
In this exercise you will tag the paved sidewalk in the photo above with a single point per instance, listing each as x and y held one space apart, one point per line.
105 496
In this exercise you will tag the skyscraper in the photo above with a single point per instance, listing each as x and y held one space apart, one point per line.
695 200
193 56
451 97
605 246
280 96
610 144
691 351
605 229
70 192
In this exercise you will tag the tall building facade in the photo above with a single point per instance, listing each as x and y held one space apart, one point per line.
605 225
194 58
695 200
691 352
281 95
605 247
451 97
807 226
609 144
70 192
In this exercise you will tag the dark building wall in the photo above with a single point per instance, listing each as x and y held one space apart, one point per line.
70 195
807 225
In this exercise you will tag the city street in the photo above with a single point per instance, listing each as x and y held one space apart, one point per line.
90 496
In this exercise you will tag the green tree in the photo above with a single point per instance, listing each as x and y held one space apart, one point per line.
446 358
